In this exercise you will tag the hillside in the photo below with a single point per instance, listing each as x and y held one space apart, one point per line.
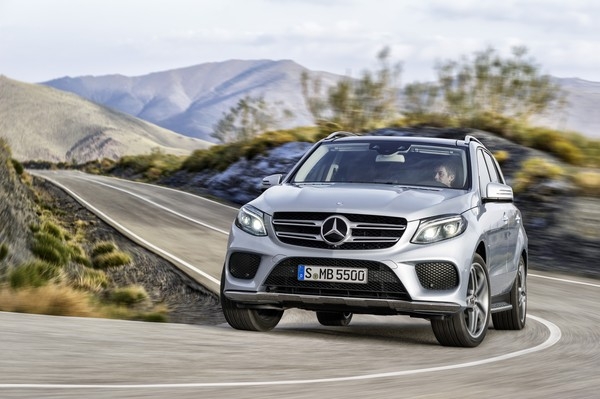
16 213
42 123
580 114
191 100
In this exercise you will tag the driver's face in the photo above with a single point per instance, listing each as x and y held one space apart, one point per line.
442 176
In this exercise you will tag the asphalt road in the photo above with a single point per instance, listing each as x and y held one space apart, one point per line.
557 355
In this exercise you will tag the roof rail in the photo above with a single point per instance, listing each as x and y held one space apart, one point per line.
469 138
339 134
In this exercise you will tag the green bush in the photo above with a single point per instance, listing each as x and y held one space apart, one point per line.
53 230
103 247
89 279
17 166
49 248
3 251
501 156
535 170
111 259
588 183
33 274
128 296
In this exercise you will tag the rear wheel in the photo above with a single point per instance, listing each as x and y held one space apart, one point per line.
340 319
468 328
514 319
242 318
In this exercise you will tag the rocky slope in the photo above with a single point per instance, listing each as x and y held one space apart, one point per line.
186 301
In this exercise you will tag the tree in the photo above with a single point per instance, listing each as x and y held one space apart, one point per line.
487 84
250 116
355 104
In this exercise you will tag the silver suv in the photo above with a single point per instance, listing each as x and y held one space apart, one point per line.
387 226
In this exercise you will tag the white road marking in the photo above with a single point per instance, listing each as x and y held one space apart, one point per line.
131 234
564 280
181 215
168 189
554 337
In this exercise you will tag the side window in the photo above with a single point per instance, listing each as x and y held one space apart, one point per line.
484 174
491 165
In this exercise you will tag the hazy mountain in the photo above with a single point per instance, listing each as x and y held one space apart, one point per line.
581 114
42 123
191 100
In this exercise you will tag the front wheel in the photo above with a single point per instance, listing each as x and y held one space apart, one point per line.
468 328
514 319
242 318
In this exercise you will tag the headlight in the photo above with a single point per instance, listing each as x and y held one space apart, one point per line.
434 230
251 220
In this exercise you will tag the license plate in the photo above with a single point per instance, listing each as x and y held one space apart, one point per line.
332 274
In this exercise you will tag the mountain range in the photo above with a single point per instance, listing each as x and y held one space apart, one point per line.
191 100
91 117
43 123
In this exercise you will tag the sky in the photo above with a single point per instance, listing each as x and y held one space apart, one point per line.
42 40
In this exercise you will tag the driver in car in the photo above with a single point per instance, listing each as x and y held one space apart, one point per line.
445 174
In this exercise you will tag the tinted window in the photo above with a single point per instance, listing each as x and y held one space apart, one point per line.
484 174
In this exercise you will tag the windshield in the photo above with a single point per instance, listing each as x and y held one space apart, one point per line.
385 162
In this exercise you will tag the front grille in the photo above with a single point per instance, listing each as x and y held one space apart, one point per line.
382 283
366 231
437 275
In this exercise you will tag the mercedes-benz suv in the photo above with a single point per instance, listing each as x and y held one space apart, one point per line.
382 225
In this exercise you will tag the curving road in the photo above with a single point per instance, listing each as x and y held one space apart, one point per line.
557 355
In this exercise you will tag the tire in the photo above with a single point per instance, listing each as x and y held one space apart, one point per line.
337 319
248 319
514 319
469 327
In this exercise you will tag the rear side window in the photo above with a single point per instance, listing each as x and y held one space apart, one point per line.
488 171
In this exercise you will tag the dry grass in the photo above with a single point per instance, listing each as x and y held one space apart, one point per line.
588 182
50 299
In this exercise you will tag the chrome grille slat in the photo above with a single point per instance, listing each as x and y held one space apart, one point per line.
367 231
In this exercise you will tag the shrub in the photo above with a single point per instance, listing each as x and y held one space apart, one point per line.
111 259
53 230
534 170
50 248
3 251
501 156
128 296
50 299
155 317
33 274
17 166
89 279
103 247
588 182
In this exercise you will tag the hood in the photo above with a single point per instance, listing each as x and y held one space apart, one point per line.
406 202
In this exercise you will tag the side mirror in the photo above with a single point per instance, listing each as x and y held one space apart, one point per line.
498 192
270 181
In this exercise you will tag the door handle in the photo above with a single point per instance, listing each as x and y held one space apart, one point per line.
505 219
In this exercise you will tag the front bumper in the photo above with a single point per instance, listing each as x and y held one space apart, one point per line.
356 305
